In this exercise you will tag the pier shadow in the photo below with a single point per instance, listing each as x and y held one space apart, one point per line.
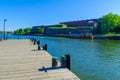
34 50
30 44
48 68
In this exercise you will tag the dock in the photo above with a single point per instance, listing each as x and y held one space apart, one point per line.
20 60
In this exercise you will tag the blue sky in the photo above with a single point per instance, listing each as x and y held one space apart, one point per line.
28 13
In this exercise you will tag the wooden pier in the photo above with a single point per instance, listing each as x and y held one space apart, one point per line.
20 60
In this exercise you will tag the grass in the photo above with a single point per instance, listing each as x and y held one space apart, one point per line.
72 28
62 28
112 34
91 27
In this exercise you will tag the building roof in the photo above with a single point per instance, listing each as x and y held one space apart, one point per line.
80 23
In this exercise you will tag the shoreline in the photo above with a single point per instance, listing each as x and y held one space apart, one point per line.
107 37
92 37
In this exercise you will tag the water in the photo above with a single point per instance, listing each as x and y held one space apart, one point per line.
90 59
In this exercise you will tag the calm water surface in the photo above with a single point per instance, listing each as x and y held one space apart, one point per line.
90 59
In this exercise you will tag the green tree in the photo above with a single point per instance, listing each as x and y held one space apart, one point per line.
40 30
21 31
27 30
109 22
16 31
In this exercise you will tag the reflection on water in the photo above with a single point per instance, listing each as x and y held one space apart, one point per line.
90 59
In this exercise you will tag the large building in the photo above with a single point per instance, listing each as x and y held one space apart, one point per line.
90 22
85 27
68 30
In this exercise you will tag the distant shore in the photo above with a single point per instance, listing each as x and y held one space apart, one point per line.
92 37
107 37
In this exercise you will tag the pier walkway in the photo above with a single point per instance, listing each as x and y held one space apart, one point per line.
20 60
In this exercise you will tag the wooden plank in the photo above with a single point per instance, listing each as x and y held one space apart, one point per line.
20 60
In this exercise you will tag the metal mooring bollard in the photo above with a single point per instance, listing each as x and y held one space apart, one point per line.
68 61
38 42
45 47
63 62
31 39
34 41
54 62
39 47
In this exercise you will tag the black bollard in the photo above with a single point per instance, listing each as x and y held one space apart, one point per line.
34 41
68 65
45 47
63 62
38 42
38 47
54 62
31 39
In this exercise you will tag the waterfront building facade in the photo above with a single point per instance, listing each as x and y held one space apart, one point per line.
83 27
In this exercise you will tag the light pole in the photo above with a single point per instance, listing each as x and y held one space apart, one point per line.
4 29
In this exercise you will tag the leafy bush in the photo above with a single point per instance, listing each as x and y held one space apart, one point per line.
40 30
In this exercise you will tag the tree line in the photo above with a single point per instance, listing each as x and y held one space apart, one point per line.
22 31
27 31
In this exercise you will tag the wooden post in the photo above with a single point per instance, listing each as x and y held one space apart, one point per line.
68 65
